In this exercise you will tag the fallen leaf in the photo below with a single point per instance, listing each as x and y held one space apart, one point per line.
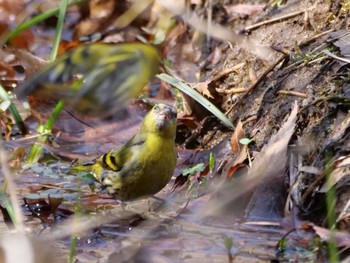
236 136
341 40
267 173
29 62
340 171
267 166
202 87
341 239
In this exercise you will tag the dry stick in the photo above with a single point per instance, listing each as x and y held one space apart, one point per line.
249 119
308 40
300 63
257 82
12 190
311 188
261 77
226 71
293 93
262 223
281 50
232 91
277 19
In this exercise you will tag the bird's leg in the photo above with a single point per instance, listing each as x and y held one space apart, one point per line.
123 205
149 206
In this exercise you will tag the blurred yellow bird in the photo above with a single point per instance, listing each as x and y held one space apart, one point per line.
146 163
97 79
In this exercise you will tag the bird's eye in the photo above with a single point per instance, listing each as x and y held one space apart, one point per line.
156 108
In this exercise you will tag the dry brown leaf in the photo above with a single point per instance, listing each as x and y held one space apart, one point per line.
340 126
202 87
239 151
271 160
236 136
188 121
24 40
341 40
341 171
66 46
268 165
6 71
29 62
97 15
10 12
235 163
342 239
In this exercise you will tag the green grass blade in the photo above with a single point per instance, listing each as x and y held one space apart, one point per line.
331 200
37 148
196 96
20 124
59 29
51 121
8 206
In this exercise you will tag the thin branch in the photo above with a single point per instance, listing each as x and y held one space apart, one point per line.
277 19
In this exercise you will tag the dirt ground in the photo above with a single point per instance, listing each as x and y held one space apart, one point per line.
281 76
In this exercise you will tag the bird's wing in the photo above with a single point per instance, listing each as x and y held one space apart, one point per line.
63 70
97 79
116 159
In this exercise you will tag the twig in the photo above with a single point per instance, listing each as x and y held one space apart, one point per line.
277 19
232 91
269 69
311 188
249 119
301 63
308 40
261 77
293 93
227 71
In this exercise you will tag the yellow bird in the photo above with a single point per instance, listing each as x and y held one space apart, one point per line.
96 79
146 163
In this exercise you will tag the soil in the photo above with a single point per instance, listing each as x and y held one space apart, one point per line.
295 106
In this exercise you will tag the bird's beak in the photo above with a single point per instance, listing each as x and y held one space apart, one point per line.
166 115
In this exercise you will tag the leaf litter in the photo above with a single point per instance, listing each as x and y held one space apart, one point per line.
296 138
